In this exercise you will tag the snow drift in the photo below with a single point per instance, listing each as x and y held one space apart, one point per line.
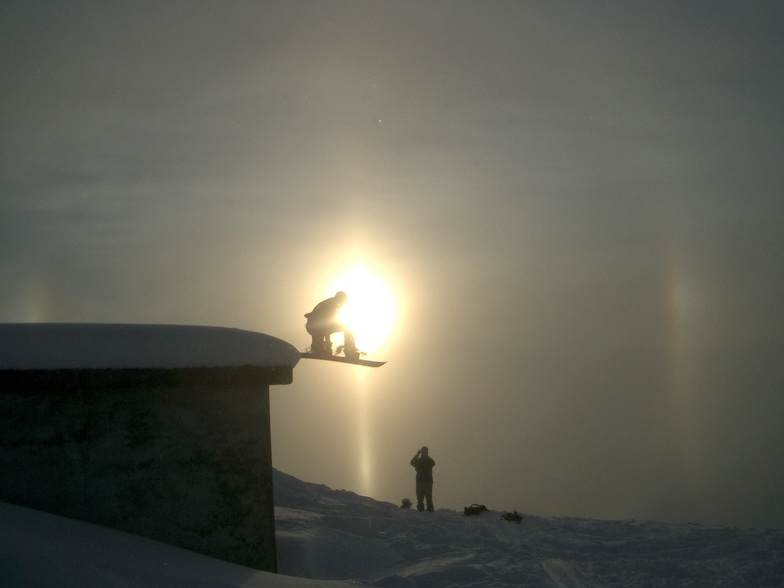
330 538
329 534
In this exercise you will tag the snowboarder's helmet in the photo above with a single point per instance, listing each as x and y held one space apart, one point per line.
341 297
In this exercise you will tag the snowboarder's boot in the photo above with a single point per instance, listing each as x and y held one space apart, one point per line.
351 352
350 346
321 347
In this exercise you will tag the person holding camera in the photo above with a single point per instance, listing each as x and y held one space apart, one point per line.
423 464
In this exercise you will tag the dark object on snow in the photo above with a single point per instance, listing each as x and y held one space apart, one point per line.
474 509
406 503
513 517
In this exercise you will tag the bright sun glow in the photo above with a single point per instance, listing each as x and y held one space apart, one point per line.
370 310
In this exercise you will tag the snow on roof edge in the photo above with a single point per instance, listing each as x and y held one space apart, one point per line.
49 346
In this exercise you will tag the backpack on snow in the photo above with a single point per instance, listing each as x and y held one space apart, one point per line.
513 517
474 509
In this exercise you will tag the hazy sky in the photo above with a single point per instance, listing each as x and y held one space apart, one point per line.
577 205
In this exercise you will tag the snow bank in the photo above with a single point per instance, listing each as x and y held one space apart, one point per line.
48 346
39 550
327 535
323 533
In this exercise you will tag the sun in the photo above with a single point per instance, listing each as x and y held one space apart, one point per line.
371 309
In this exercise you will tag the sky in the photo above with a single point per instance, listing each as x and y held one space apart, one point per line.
575 207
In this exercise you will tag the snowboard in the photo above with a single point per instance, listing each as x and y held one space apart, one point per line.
342 359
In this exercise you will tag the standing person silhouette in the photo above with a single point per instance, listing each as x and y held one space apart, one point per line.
323 321
423 464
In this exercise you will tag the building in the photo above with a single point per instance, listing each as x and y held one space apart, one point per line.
158 430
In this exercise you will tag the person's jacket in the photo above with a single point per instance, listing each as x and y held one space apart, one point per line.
325 313
424 468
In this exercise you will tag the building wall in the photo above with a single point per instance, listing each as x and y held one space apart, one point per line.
182 460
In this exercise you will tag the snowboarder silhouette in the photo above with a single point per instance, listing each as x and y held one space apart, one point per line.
423 464
323 321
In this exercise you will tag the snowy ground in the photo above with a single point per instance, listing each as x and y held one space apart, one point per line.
339 535
335 535
39 550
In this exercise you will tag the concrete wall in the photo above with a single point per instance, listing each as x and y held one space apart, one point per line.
182 456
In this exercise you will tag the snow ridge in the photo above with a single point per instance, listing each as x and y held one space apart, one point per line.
329 538
338 535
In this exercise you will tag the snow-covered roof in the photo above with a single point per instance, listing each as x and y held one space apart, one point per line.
50 346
